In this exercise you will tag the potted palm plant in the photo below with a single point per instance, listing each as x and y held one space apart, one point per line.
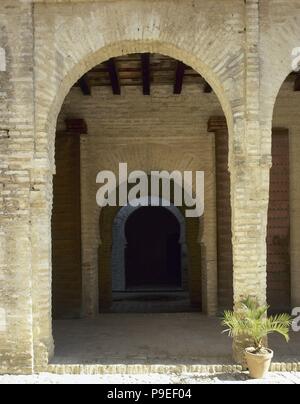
251 323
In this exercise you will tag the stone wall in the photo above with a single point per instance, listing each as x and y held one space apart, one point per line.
16 186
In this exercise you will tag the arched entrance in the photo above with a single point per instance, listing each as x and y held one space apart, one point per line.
153 250
74 63
152 259
154 236
120 242
189 259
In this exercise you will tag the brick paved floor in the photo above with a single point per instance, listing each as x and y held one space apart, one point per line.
240 378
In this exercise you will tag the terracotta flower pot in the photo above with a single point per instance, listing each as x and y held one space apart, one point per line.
259 364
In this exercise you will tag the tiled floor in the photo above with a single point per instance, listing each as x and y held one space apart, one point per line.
152 338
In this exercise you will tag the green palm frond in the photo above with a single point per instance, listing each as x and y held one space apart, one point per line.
279 324
250 321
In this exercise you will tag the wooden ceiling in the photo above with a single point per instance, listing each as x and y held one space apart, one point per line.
142 70
146 70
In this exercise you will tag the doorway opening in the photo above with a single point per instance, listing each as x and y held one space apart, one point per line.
149 263
153 251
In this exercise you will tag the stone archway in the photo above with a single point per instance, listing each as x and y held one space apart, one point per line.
74 57
210 285
119 240
196 252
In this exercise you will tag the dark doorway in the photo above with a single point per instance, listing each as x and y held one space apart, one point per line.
153 252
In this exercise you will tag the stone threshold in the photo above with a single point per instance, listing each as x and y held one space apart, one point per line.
159 369
132 369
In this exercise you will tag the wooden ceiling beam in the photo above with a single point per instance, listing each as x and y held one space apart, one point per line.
85 85
76 126
297 82
114 77
180 70
146 73
207 88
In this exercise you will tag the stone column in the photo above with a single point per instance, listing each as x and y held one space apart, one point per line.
105 281
104 258
218 126
250 171
197 290
41 210
207 246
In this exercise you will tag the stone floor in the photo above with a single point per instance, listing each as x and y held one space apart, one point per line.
189 338
239 378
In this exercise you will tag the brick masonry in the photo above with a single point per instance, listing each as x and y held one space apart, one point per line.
242 48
